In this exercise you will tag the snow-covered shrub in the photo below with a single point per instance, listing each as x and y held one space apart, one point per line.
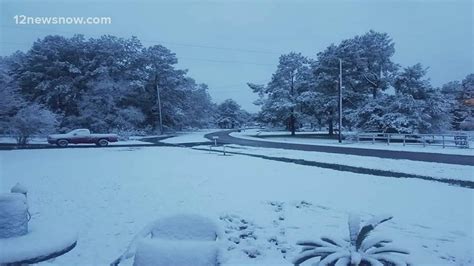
126 133
360 250
467 124
30 120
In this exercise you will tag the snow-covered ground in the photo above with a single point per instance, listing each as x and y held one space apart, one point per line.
264 206
11 140
130 141
435 170
190 137
252 133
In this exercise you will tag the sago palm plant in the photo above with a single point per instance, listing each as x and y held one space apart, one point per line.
359 250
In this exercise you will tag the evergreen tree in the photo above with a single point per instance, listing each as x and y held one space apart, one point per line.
416 107
109 84
464 111
230 114
280 97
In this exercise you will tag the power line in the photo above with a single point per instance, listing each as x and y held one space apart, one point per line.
228 61
163 42
216 47
181 57
220 89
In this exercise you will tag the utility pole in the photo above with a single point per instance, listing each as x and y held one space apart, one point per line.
340 100
159 104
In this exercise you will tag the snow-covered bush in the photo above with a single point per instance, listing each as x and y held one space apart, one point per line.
360 250
30 120
467 124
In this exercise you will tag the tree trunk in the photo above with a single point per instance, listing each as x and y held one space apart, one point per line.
374 92
331 128
292 124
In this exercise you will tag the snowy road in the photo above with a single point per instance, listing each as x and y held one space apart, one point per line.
225 138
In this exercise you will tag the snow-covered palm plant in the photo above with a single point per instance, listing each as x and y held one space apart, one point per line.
360 250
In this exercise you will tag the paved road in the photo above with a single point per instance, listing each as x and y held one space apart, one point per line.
225 138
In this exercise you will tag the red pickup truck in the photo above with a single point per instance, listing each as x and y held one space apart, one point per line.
80 136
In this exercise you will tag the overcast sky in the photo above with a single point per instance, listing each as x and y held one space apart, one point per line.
229 43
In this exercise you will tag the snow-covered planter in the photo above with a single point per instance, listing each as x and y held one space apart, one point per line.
179 240
13 215
360 250
185 227
24 244
153 252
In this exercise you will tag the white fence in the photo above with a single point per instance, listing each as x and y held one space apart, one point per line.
444 140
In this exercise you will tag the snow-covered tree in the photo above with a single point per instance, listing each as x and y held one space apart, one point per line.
30 120
95 82
10 99
280 97
18 117
416 98
416 107
367 59
367 71
230 114
463 110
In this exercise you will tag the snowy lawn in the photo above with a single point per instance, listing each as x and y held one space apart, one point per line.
252 133
190 137
435 170
37 140
264 206
12 140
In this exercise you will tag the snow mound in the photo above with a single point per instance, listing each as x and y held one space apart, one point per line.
153 252
185 227
19 188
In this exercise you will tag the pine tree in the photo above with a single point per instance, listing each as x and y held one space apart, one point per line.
280 97
230 114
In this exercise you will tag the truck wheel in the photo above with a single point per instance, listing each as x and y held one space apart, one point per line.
62 143
102 142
